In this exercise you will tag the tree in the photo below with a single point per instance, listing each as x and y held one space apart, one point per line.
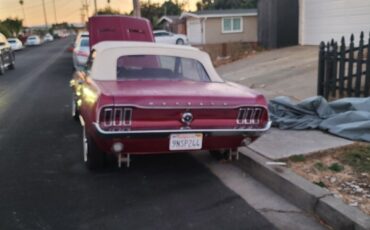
14 26
226 4
5 30
108 11
153 11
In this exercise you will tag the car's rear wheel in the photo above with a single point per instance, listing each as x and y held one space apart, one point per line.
75 112
180 41
12 62
94 158
220 154
2 67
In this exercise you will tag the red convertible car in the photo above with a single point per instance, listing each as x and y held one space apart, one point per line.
147 98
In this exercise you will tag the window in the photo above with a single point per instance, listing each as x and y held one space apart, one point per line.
160 67
84 43
232 25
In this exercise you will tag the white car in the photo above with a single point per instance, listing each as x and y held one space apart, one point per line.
81 52
33 40
15 43
48 38
163 36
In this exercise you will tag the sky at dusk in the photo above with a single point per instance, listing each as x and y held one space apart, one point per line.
67 10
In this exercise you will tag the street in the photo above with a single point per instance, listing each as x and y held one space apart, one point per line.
44 184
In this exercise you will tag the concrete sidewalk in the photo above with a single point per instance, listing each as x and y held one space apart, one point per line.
283 72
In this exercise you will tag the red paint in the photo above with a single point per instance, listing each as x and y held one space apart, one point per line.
119 28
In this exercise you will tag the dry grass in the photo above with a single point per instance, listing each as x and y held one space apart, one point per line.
234 51
345 172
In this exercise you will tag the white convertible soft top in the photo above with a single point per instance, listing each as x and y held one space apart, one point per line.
107 53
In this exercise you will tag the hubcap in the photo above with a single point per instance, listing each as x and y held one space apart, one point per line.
73 107
84 144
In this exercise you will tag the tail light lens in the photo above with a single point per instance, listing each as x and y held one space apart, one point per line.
252 116
115 117
82 53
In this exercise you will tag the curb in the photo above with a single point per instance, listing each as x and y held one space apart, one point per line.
302 193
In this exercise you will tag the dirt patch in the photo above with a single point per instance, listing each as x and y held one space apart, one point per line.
228 52
345 172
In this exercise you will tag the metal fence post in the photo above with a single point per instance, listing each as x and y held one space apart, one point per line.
321 70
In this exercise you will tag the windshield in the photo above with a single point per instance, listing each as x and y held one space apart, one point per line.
31 38
11 41
84 43
160 67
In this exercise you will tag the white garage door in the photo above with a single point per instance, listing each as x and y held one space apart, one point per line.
322 20
194 31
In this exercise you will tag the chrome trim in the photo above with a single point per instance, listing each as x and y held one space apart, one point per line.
120 111
184 106
127 119
213 131
249 116
106 110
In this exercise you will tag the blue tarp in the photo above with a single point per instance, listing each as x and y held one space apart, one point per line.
347 117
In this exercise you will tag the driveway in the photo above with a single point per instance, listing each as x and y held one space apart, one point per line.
289 71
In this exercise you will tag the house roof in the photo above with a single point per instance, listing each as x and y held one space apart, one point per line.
220 13
169 18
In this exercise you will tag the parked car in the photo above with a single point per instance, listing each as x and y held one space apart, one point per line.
48 38
33 40
163 36
81 53
15 43
140 97
7 58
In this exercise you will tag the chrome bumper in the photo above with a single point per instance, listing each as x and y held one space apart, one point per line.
207 132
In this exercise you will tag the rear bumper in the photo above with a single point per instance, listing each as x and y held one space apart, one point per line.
163 133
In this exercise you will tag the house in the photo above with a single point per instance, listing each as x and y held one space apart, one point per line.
221 26
323 20
308 22
172 23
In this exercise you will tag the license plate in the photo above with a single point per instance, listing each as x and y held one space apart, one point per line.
186 141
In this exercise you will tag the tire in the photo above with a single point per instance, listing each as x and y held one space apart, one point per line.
180 41
75 112
219 154
2 67
94 158
12 63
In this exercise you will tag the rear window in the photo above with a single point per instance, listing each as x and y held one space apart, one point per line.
160 67
84 43
11 41
31 38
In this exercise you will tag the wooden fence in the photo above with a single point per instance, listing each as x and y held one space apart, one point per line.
344 71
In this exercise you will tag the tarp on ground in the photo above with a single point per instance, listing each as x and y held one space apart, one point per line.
347 117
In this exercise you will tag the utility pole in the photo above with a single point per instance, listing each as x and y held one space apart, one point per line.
85 6
96 7
137 9
21 2
55 13
45 18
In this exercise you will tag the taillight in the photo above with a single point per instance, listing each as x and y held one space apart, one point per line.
252 116
82 53
115 117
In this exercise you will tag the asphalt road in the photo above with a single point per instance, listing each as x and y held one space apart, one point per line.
44 184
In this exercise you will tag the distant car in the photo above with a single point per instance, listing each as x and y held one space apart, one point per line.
80 35
7 58
15 43
140 97
33 40
163 36
81 52
48 38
